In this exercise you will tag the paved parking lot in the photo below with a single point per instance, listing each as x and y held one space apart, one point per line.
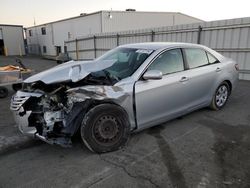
202 149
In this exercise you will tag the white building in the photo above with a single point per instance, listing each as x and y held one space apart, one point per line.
48 39
11 40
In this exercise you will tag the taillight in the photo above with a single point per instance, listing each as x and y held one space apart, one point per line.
236 66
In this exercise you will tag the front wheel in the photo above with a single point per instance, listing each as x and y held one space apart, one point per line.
105 128
220 97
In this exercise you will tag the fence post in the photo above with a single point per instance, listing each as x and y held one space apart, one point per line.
199 35
152 36
94 38
77 50
117 39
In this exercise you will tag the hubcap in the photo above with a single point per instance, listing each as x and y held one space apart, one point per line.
221 96
106 130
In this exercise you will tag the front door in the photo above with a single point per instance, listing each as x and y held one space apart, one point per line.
159 100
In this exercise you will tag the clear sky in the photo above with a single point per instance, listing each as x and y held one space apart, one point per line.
23 12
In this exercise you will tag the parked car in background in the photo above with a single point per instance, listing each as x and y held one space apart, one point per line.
62 58
130 88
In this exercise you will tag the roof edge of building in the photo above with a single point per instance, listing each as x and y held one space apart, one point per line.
10 25
117 11
80 16
124 11
190 16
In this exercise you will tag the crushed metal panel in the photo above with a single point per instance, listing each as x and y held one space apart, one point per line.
114 94
72 70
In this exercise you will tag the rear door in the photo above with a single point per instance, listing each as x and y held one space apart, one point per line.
202 73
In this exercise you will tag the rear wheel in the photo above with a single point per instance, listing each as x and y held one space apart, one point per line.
221 96
105 128
3 92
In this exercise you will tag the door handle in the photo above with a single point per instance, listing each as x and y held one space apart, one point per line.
184 79
218 69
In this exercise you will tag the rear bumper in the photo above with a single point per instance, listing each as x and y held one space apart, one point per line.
235 81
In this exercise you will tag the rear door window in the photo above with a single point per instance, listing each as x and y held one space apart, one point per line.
196 57
211 59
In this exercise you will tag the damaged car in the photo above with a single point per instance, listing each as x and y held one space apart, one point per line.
129 88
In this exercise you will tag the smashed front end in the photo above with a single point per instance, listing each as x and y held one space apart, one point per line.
50 116
52 104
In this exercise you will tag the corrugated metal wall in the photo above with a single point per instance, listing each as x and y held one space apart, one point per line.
229 37
132 20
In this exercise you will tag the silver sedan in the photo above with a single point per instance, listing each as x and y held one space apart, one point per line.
130 88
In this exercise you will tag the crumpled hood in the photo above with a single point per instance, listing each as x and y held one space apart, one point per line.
70 71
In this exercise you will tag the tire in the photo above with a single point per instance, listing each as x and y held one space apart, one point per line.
105 128
220 97
3 92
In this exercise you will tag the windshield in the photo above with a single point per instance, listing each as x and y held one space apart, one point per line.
126 61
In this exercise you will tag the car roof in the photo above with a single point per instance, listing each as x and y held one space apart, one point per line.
160 45
165 45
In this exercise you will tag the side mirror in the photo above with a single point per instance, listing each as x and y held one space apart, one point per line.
152 75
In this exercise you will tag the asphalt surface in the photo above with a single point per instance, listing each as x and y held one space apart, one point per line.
202 149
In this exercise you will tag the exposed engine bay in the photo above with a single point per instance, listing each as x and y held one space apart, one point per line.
53 115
